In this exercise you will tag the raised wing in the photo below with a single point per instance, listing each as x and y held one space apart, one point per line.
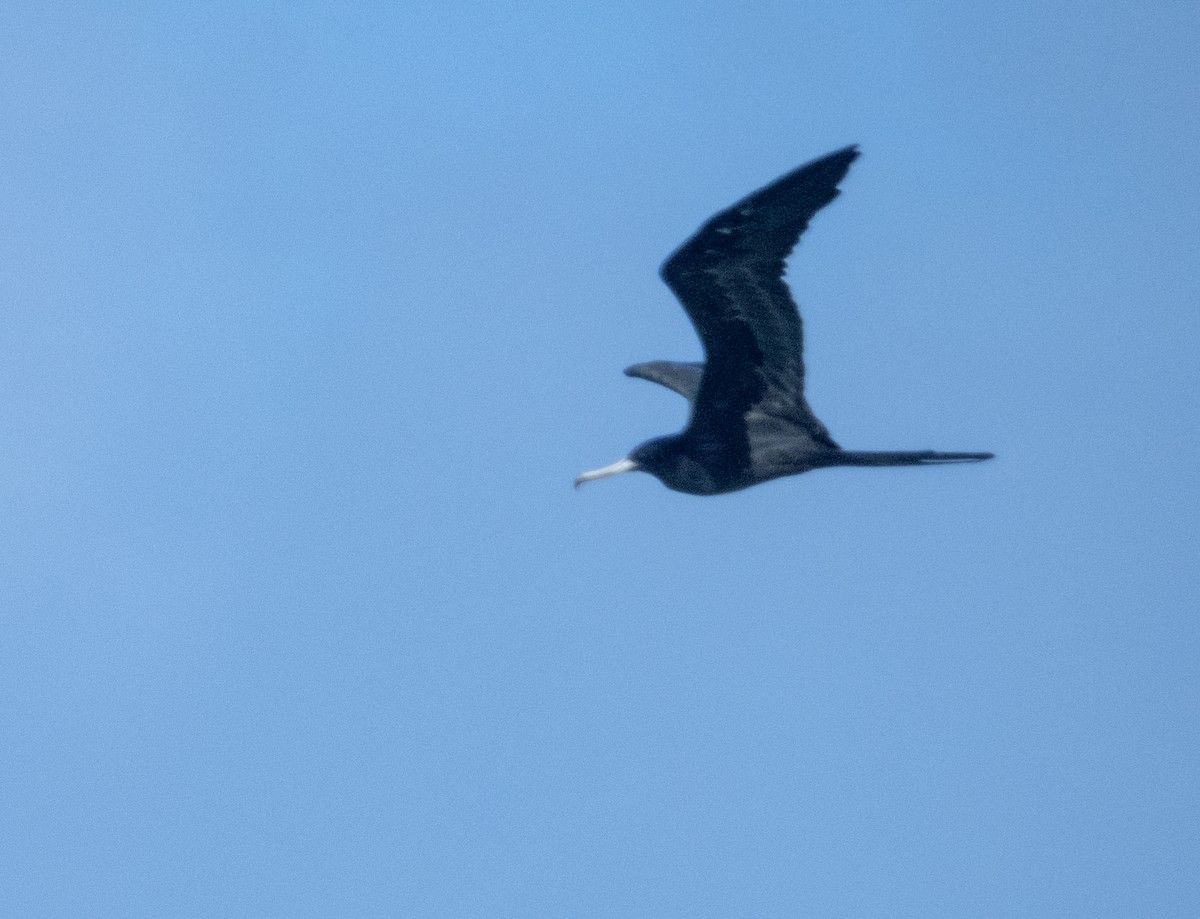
729 278
683 378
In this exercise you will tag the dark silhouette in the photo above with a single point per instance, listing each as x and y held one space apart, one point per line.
750 421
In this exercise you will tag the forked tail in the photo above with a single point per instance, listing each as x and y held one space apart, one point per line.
903 458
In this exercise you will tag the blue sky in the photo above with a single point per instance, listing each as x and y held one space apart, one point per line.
312 312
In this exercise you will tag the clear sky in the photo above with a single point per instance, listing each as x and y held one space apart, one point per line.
311 313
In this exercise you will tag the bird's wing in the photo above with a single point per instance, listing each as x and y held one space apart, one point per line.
683 378
729 278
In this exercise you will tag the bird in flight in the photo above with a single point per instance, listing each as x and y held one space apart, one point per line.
750 421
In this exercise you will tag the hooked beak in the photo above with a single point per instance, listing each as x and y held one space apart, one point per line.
625 465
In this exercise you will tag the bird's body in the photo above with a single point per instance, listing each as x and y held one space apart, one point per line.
750 421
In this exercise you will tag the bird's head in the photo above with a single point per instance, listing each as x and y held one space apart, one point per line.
661 457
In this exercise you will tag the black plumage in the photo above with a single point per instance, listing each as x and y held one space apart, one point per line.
750 421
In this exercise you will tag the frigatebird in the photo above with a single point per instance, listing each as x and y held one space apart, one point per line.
750 421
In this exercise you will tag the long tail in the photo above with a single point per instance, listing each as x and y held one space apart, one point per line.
903 458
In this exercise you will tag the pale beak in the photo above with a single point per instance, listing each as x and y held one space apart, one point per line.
625 465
